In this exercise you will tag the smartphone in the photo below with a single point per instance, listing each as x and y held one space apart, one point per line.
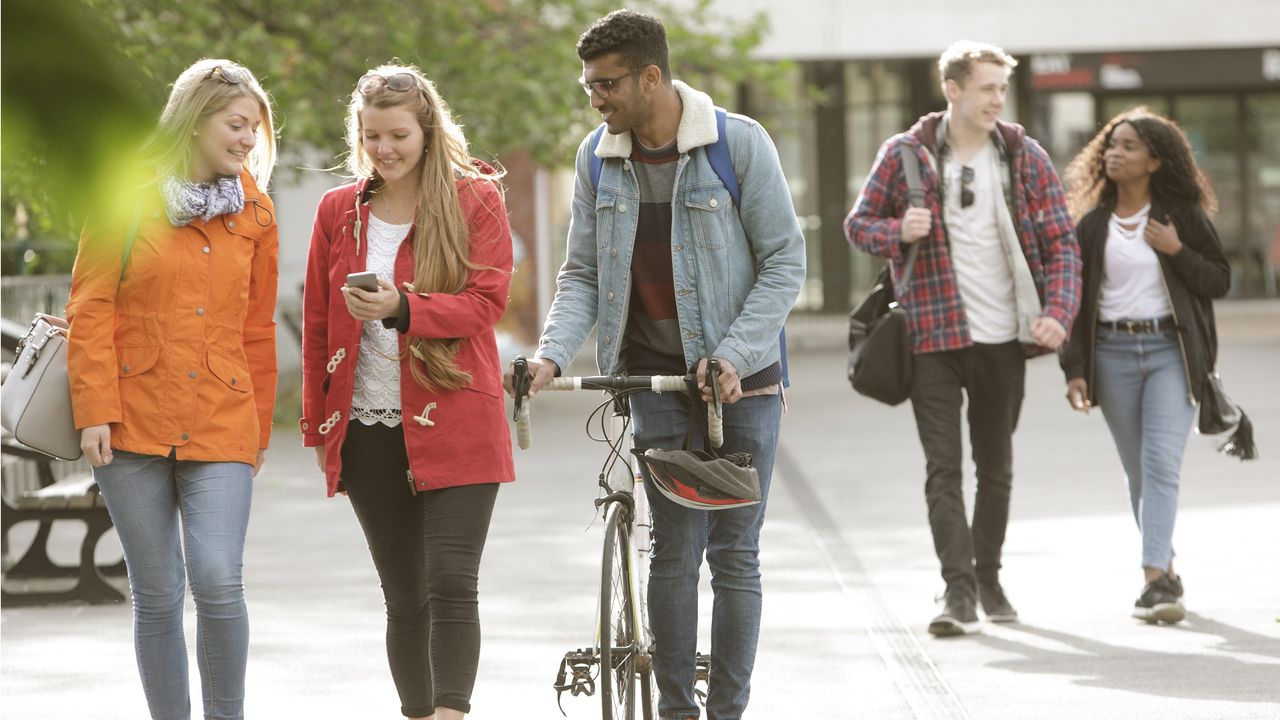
367 281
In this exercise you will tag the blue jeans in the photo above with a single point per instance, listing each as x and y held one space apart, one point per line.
730 539
146 496
1142 387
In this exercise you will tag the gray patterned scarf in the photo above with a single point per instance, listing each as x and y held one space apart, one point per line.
186 201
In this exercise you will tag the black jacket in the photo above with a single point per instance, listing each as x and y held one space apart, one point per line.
1196 275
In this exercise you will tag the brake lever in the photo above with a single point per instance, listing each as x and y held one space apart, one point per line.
520 383
713 380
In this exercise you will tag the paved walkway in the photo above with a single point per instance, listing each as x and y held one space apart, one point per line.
848 565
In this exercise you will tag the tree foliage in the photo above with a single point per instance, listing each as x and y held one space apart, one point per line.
507 67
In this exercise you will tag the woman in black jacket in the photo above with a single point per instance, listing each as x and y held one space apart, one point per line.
1145 338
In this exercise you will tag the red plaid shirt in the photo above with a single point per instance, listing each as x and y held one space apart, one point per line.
935 313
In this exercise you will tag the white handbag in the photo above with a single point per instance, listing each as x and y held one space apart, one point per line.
35 405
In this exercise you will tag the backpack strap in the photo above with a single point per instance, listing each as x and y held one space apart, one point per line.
721 163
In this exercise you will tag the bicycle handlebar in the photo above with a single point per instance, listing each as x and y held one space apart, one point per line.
521 381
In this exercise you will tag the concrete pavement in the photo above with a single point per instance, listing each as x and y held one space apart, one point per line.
849 576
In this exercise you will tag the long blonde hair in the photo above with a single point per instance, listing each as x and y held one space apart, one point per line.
203 89
441 241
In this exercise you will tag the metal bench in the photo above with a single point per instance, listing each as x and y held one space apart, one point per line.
46 499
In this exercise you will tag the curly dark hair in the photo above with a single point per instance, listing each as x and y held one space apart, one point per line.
639 40
1177 183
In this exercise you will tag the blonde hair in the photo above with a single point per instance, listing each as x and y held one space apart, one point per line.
203 89
956 62
441 241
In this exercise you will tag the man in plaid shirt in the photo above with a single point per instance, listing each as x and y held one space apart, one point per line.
996 280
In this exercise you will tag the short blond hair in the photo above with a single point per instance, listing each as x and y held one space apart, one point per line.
956 62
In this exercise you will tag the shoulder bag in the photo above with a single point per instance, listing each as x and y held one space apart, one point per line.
880 357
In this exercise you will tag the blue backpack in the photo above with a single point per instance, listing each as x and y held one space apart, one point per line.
718 156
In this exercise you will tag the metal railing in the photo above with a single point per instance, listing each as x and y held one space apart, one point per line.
22 296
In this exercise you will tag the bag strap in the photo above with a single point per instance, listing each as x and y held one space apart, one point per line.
129 237
915 197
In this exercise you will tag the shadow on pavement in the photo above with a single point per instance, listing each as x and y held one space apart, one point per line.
1191 676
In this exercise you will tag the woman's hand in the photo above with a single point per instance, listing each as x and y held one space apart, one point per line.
95 441
1163 238
319 456
1078 394
364 305
257 464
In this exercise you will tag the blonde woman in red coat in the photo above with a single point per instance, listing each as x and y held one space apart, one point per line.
402 386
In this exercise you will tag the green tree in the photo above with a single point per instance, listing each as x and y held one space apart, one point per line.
507 67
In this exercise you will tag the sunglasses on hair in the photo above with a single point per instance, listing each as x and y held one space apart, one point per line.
966 192
399 82
230 74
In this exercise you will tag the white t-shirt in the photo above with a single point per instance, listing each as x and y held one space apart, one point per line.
977 252
377 385
1132 288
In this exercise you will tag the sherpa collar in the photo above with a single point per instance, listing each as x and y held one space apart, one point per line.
697 126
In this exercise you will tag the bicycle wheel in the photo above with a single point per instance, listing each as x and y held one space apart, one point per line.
617 629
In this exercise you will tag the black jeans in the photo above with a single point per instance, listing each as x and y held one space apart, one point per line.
992 377
426 548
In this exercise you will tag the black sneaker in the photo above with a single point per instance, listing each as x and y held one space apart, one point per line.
959 616
994 603
1176 584
1159 602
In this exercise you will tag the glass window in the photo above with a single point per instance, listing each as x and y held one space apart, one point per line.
1212 124
876 107
1064 123
1263 185
787 114
1113 106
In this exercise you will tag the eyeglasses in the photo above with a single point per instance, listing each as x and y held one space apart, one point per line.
603 86
399 82
966 193
230 74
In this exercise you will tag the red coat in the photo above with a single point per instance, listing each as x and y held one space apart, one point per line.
468 441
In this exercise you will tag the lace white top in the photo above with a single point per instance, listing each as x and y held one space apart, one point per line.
377 387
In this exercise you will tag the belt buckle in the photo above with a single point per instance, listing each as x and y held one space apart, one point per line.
1128 324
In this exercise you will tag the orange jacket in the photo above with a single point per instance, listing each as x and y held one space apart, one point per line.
183 355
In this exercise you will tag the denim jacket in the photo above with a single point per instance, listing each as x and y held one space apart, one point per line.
737 273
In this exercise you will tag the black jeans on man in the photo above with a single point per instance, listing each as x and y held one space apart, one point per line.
426 548
992 378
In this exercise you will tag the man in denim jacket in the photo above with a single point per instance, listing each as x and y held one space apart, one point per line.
670 273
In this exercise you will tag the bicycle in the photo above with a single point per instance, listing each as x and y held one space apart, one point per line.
622 654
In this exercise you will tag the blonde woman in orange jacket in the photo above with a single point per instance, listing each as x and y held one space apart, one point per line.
173 375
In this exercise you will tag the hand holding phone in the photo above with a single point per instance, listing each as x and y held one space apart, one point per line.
367 281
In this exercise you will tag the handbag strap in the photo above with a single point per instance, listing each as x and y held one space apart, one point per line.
129 237
915 197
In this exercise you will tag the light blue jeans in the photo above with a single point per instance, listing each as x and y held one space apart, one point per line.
150 497
1142 386
730 539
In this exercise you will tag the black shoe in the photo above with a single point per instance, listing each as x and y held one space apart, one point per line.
1176 584
1159 602
959 617
994 603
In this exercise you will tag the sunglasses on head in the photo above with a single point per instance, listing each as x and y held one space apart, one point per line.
399 82
966 193
230 74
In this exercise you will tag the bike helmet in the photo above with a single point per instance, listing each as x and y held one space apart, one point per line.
700 480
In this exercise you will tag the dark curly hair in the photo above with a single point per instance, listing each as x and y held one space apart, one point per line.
639 40
1177 183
